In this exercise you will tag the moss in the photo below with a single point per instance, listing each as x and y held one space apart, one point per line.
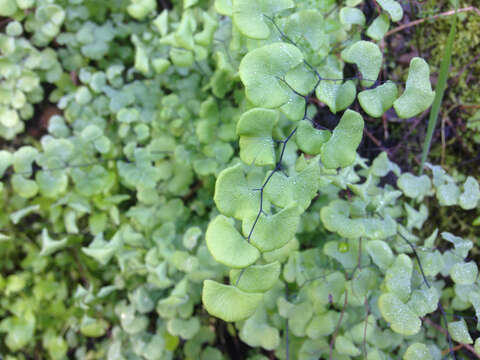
466 49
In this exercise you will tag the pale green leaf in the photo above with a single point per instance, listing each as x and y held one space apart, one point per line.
462 246
459 332
271 232
376 101
299 187
255 130
424 301
101 250
224 7
335 218
91 327
234 196
380 253
51 183
309 139
393 8
249 15
298 318
398 277
256 278
20 214
228 302
417 351
257 332
401 318
379 27
49 246
26 188
19 330
322 325
341 149
186 329
471 194
418 94
352 16
464 273
263 69
346 347
8 8
227 246
139 9
416 187
368 58
335 95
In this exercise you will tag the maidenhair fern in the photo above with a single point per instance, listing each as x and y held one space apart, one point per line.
189 168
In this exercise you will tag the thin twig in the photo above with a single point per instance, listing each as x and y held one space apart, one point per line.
443 331
419 21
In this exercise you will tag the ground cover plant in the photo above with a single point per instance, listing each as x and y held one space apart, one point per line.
186 180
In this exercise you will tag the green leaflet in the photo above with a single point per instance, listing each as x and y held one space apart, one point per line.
462 246
308 26
262 69
376 101
271 232
299 187
255 130
380 253
471 194
299 316
418 94
256 278
249 15
20 330
393 8
398 277
340 149
139 9
227 246
345 346
381 166
424 301
51 183
335 95
310 140
335 218
233 195
464 273
257 332
417 351
322 325
459 332
224 7
228 302
349 259
368 58
401 318
379 27
352 16
93 327
101 250
416 187
186 329
49 246
8 8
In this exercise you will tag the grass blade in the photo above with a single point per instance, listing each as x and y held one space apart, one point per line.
439 90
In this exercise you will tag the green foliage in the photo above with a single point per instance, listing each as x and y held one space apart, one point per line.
187 177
